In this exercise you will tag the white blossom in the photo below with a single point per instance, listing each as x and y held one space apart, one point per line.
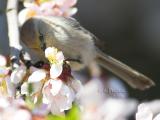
3 61
18 74
149 110
157 117
144 113
56 59
36 80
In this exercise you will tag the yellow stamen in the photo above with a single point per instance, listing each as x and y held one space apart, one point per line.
3 87
52 59
2 75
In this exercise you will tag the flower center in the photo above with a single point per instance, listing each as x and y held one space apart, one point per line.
52 59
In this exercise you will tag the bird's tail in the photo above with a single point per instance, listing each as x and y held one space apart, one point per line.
129 75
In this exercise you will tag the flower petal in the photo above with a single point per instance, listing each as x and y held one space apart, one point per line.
66 3
47 5
56 70
37 76
157 117
10 87
58 95
55 109
28 4
24 88
60 56
4 103
45 99
76 85
22 114
3 61
56 86
42 110
57 12
144 113
18 74
62 101
47 96
50 51
68 96
37 87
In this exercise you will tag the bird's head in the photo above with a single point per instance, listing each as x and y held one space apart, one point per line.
31 36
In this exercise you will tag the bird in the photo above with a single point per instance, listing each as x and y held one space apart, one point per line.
79 46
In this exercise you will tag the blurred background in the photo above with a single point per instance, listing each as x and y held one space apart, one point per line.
130 30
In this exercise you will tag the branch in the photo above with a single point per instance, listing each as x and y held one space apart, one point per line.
13 32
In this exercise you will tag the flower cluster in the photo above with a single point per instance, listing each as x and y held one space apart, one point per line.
47 8
34 93
56 86
52 85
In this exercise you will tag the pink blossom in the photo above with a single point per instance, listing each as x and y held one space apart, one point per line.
58 96
48 8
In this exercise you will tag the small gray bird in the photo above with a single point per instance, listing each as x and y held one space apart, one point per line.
78 45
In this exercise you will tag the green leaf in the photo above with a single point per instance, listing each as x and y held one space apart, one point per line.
30 88
74 113
54 117
29 103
